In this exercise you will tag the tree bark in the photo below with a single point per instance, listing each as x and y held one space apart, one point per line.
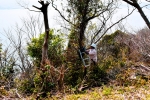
135 4
43 9
143 15
81 34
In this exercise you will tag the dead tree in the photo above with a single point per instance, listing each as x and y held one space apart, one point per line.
43 9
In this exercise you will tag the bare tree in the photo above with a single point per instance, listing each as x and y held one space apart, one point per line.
106 24
43 9
141 43
135 4
7 68
17 50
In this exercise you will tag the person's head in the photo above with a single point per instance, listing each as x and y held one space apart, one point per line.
93 46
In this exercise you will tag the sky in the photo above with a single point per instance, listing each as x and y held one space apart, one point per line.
11 13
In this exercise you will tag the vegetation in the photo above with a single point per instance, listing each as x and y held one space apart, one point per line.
45 78
111 93
45 69
116 71
55 48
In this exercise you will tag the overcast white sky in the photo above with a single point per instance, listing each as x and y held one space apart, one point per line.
11 13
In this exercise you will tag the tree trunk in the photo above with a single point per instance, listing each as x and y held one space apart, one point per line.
143 15
81 34
45 44
135 4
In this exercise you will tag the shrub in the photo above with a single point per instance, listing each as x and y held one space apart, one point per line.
26 87
3 91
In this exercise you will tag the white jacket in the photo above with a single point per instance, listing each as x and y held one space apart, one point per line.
93 54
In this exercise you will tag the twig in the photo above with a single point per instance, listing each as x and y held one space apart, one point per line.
18 94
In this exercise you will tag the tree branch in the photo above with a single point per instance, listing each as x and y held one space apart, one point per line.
27 8
61 14
36 7
131 3
115 24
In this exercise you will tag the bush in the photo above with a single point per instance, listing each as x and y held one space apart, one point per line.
74 76
26 87
3 92
96 76
43 82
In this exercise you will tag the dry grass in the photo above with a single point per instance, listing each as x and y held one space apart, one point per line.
111 93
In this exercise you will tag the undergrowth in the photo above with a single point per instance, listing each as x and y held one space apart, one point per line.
106 92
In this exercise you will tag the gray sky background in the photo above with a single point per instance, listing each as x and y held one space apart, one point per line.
11 13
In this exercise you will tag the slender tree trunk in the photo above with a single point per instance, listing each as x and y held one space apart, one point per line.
45 44
143 16
135 4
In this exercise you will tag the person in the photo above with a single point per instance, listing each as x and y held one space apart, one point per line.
92 53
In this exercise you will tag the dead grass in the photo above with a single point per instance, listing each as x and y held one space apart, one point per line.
105 92
111 93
